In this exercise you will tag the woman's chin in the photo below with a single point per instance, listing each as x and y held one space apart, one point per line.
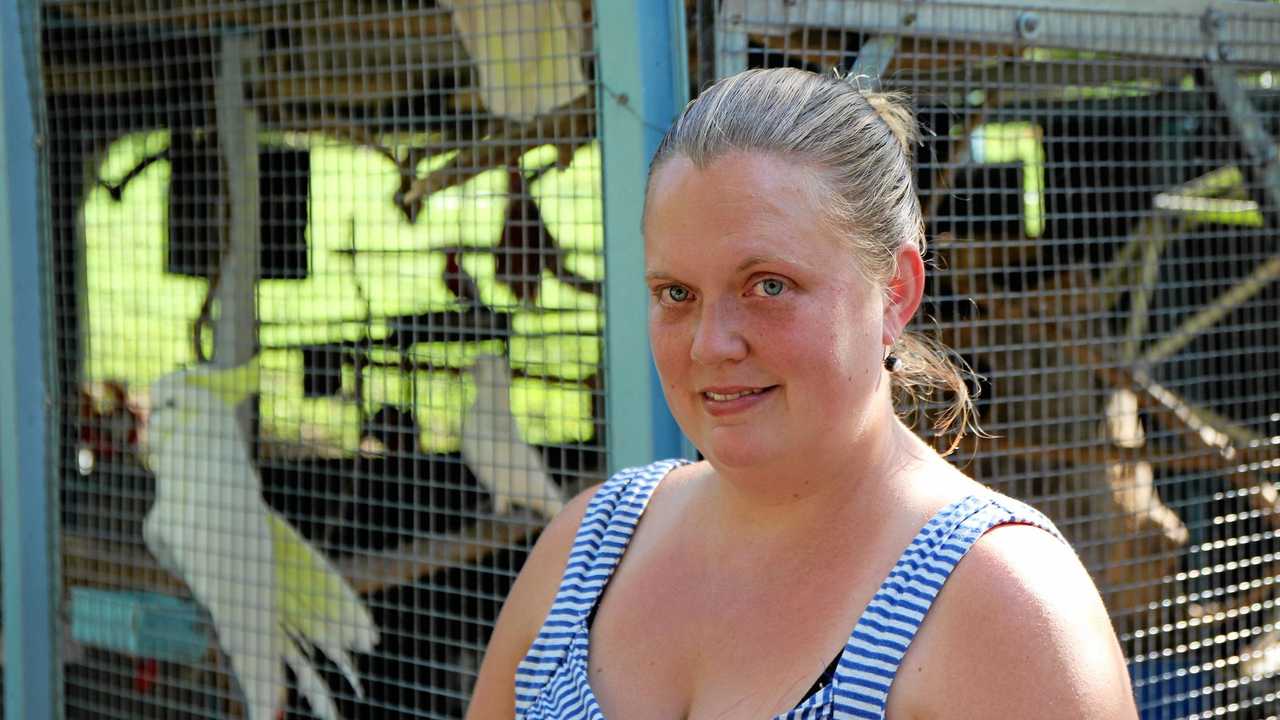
738 451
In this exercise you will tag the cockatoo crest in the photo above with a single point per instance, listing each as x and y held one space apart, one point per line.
230 385
198 405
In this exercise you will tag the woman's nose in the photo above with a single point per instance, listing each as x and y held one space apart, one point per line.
718 337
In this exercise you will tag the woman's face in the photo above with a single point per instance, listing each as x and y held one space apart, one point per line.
767 338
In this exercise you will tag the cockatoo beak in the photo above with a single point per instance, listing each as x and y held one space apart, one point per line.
232 385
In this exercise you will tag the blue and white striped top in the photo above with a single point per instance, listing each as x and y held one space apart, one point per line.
552 679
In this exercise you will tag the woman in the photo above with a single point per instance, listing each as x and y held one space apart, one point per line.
783 243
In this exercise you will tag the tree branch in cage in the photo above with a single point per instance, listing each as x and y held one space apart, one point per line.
1230 443
1140 295
378 19
406 162
92 562
1100 454
116 191
405 564
1233 448
95 562
1256 281
1223 181
1120 268
572 125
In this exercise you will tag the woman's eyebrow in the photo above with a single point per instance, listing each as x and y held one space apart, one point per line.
754 260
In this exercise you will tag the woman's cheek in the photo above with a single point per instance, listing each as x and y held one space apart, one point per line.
665 337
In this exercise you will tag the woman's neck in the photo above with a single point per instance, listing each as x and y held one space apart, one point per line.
844 486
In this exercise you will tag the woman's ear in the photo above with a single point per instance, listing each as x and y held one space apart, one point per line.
903 293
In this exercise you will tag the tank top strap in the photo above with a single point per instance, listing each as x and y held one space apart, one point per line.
888 625
607 525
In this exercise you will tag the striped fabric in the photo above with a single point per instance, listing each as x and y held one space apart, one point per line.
551 680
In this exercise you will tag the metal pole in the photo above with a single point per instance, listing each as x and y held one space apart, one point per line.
235 333
28 557
643 85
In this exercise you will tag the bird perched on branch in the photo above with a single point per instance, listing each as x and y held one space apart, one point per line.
491 445
272 597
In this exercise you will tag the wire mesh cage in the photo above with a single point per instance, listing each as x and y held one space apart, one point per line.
326 287
327 283
1100 193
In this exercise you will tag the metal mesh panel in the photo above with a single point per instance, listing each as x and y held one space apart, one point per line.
395 208
1100 191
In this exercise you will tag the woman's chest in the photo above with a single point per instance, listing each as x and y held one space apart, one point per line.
678 642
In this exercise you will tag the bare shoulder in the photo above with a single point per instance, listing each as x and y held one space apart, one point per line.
1018 630
524 611
539 579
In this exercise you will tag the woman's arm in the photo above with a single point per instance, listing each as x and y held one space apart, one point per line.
524 611
1019 630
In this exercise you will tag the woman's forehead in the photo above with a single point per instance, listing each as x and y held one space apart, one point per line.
740 188
741 174
737 213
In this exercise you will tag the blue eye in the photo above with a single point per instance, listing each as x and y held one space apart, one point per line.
675 293
772 287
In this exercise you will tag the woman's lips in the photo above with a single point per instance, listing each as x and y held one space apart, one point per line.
722 401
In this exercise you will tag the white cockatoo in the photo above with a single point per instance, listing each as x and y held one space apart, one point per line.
271 596
528 53
491 445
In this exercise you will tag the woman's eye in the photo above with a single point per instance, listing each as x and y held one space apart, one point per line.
675 293
771 287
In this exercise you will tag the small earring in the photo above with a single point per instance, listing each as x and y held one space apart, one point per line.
891 362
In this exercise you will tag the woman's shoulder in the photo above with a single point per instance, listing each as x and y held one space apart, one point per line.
527 605
1018 630
626 488
658 471
631 489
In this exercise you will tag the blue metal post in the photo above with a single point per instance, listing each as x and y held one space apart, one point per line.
27 539
641 56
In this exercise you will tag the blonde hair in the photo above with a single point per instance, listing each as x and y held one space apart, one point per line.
862 144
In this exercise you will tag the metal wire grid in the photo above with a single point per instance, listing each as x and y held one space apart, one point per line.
417 184
1103 247
1076 200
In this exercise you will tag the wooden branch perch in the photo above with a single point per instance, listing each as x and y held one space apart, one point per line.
420 558
574 124
1099 455
380 20
1205 429
93 562
1262 276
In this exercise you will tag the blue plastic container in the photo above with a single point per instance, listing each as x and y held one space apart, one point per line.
143 624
